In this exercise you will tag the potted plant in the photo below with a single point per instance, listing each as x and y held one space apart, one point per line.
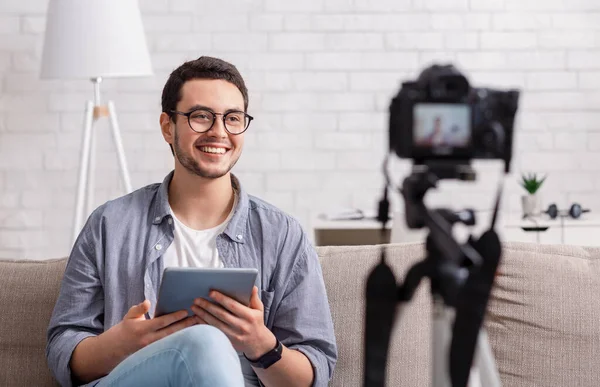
531 201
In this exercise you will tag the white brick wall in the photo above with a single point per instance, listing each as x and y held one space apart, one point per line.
321 74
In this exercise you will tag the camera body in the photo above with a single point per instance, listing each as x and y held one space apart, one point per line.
440 117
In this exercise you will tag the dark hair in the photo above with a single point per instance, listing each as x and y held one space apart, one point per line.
205 67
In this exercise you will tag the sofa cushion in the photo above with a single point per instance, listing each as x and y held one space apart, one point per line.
28 292
544 316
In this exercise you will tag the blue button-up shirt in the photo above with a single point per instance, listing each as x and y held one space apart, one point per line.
117 262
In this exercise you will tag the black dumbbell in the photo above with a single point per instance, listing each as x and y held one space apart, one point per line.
574 212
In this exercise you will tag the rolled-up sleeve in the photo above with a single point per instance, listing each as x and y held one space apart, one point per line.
78 312
303 319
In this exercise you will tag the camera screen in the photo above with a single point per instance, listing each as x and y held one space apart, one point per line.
442 125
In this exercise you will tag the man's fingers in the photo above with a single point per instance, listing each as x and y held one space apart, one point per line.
255 302
138 310
212 320
175 327
227 303
218 311
199 320
168 319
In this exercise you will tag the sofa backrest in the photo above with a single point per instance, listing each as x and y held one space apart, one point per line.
543 319
28 291
345 270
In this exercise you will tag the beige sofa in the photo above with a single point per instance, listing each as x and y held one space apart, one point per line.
543 321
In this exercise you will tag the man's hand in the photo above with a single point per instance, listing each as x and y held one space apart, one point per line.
95 357
243 325
135 331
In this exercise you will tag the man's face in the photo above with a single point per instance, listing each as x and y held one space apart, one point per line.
211 154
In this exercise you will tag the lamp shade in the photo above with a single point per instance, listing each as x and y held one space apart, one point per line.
94 38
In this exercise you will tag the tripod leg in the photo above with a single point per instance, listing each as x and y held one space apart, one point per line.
484 359
441 336
114 124
485 375
83 169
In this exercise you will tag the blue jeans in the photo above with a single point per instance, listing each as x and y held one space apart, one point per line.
200 355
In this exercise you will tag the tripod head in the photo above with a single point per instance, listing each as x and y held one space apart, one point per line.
460 274
446 256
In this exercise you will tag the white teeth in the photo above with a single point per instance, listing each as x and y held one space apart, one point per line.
209 149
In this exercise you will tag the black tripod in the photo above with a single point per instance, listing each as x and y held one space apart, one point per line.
461 278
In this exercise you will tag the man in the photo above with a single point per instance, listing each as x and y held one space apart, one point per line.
102 331
436 137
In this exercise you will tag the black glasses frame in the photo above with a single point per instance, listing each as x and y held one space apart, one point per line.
214 117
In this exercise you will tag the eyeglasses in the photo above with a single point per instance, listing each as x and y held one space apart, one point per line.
202 120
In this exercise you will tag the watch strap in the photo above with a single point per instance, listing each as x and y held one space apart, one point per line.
269 358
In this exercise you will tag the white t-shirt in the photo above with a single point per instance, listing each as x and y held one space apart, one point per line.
198 248
195 248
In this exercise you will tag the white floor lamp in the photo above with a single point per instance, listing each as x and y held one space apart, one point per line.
95 39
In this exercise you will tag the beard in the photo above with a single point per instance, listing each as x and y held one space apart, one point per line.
189 163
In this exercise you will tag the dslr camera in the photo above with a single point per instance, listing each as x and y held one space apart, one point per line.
440 118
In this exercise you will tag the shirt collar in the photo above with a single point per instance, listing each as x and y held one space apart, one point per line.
236 228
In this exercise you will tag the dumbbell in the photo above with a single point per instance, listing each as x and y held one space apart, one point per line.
574 212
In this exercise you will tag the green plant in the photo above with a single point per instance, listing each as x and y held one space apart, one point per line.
531 183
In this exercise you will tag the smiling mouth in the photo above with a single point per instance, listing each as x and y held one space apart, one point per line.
212 150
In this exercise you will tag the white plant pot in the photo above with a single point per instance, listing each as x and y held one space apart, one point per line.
531 205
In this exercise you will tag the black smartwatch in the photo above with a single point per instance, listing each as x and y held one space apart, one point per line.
269 358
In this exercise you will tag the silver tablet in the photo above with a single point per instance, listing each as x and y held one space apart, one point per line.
180 286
